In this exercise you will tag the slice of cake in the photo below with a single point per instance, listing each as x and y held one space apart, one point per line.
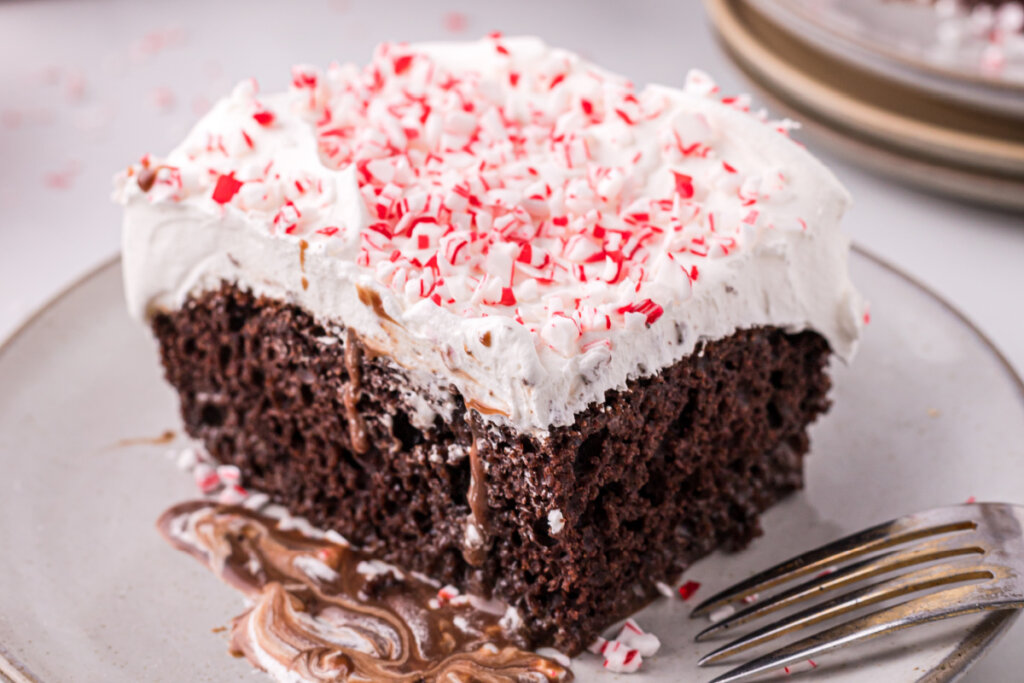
498 316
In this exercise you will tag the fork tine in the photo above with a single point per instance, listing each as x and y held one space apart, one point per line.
912 582
876 565
887 535
934 607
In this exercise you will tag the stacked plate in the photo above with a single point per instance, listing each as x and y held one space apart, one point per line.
928 92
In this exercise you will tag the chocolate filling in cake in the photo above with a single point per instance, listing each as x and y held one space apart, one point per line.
658 475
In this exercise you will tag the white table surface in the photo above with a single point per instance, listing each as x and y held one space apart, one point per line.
87 87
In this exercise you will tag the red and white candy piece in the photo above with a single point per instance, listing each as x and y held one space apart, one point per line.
232 495
447 593
622 659
631 635
229 474
625 654
206 478
597 647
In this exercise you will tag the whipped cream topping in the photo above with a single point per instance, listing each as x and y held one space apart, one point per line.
499 216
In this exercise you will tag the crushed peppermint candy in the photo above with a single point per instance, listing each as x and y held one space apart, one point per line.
229 474
687 590
227 187
206 478
622 659
597 647
631 635
232 495
539 188
664 589
447 594
220 481
625 653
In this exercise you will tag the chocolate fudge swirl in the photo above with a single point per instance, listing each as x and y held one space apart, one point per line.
327 612
356 426
474 549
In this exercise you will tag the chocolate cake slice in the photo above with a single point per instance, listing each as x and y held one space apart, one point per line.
498 316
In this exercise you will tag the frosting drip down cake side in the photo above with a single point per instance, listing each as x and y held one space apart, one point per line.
498 315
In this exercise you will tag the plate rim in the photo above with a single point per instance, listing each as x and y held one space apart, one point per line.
974 643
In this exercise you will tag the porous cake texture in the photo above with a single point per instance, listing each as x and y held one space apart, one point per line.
656 476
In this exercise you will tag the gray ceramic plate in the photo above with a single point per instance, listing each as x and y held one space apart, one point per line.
929 414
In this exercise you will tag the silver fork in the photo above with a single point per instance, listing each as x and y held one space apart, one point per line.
979 546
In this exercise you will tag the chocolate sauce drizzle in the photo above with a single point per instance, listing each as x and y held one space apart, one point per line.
474 549
371 298
167 437
303 246
146 178
350 397
328 612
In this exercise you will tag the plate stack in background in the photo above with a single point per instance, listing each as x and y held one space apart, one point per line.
929 92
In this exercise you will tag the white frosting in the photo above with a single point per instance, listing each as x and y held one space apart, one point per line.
725 222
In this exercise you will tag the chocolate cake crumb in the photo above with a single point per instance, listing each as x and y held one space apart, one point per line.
657 476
